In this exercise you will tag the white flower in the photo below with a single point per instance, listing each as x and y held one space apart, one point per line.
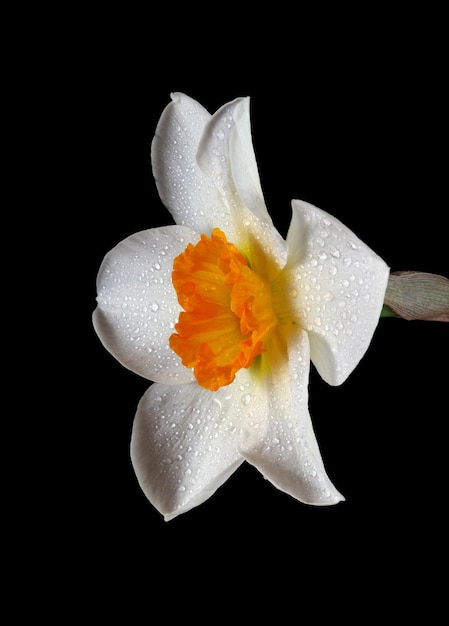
231 365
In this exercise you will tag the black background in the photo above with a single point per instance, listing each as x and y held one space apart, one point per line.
352 118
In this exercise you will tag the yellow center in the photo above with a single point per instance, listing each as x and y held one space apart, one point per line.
228 311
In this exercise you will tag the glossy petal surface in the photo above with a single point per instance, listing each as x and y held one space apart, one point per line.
137 304
339 284
188 194
184 444
226 156
277 432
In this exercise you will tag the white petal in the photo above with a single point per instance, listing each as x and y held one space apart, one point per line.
278 437
137 303
184 445
189 195
339 284
226 155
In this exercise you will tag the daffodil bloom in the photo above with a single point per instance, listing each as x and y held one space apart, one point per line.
224 316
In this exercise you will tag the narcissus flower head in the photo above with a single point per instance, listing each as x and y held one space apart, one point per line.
224 316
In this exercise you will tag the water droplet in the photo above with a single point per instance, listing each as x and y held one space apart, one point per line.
220 135
328 296
335 252
154 307
246 399
157 266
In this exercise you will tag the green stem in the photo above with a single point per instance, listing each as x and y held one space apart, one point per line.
387 312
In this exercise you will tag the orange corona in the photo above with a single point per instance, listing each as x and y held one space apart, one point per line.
228 312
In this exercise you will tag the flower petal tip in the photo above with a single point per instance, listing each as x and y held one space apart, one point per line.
331 497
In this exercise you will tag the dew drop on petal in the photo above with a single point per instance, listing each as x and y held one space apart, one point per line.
335 252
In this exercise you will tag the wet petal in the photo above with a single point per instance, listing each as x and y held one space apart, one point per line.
184 445
339 284
277 433
186 191
226 155
137 304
